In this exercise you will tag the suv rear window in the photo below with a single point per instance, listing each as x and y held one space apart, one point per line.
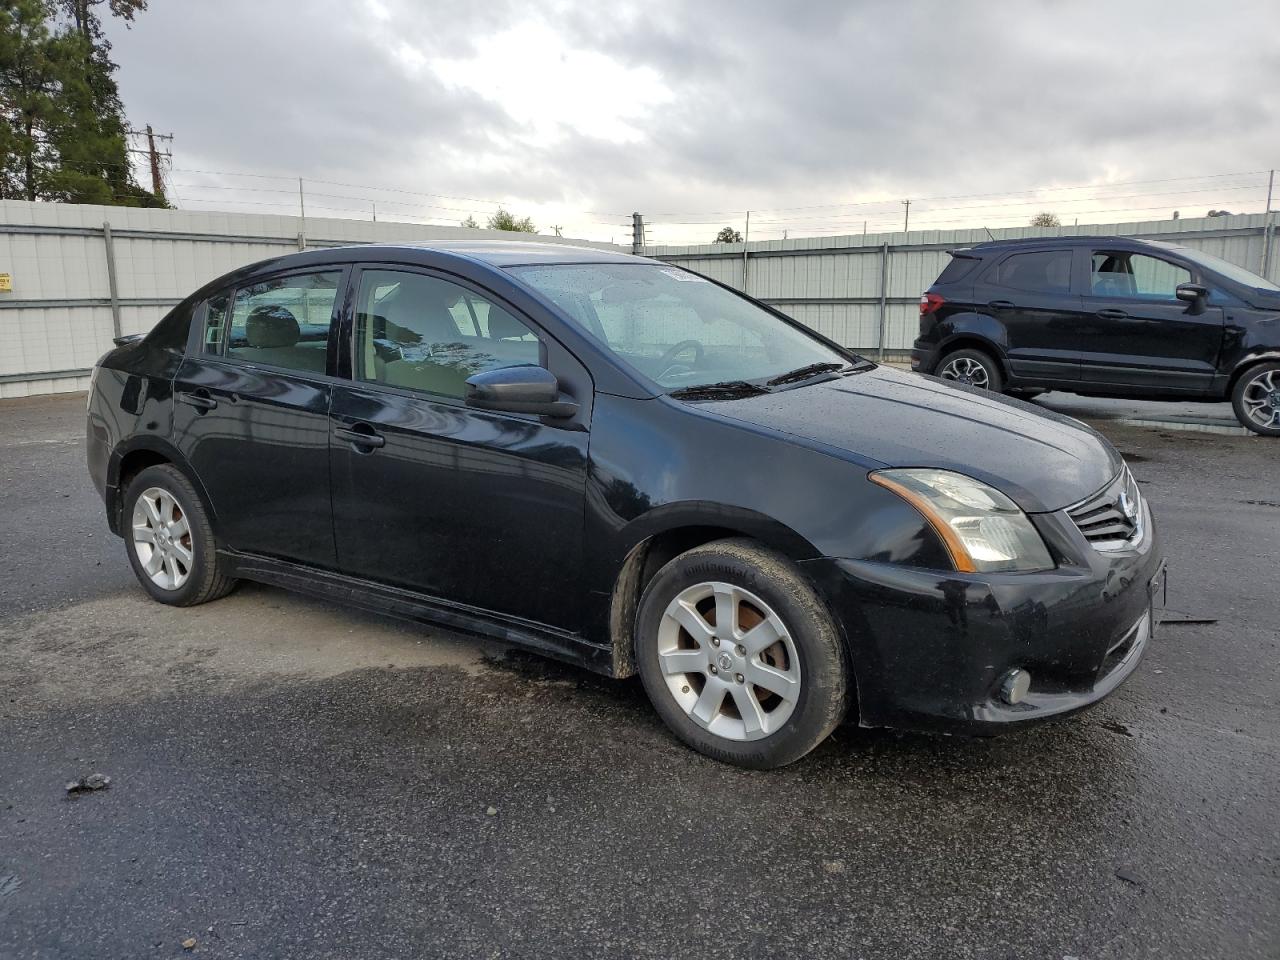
957 269
1044 271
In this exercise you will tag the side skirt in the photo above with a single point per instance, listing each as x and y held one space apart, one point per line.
407 605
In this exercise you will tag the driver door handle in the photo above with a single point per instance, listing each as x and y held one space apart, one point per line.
199 400
1001 304
1113 314
360 438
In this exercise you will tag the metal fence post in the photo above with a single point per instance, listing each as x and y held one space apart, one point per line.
884 299
1268 228
111 279
746 236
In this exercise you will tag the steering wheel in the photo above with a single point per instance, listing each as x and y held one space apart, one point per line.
666 361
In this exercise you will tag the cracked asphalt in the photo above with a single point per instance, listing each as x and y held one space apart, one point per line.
294 779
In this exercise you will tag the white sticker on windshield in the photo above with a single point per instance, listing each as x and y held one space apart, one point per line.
684 277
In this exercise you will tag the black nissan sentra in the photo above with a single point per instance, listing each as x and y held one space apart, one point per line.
616 462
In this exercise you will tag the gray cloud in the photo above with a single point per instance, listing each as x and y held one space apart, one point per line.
776 104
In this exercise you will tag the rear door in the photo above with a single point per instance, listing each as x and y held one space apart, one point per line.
251 413
1136 334
470 506
1030 294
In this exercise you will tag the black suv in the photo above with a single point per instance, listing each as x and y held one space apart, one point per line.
1107 317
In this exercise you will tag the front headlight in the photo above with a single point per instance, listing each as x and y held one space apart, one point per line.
982 529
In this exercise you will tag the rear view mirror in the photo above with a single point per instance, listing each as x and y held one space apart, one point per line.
1192 293
523 389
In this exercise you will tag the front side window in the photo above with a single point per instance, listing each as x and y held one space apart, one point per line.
1121 274
423 333
1044 271
283 322
673 326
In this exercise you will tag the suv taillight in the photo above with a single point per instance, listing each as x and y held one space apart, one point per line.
930 302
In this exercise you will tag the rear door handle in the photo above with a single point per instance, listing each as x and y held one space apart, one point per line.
1113 314
1001 304
361 438
201 400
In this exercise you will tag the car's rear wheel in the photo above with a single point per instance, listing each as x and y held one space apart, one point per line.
170 541
739 656
973 368
1256 399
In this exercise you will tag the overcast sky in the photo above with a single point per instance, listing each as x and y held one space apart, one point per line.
580 112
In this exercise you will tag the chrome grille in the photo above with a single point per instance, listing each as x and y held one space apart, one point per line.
1112 518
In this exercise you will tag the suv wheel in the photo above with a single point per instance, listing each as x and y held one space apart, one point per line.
972 367
1256 399
739 656
171 544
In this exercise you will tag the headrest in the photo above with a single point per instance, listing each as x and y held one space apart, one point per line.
271 326
503 326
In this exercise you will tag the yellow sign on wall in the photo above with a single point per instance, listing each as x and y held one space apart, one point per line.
6 283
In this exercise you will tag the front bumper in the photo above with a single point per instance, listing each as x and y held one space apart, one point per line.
929 648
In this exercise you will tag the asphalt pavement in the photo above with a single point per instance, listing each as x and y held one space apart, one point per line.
293 779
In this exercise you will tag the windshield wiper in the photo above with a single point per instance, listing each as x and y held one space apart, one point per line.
725 390
804 373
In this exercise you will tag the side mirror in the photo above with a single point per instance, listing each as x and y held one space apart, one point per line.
525 389
1192 293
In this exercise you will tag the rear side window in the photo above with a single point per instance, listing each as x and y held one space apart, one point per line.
1044 271
957 269
1122 274
282 322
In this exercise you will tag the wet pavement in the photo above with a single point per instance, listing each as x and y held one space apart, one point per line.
293 779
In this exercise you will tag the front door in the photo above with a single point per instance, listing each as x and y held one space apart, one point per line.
251 414
1030 295
468 506
1136 334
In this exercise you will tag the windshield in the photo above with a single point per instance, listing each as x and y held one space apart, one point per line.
1229 270
676 328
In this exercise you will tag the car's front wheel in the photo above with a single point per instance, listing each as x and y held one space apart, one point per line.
170 541
1256 399
739 656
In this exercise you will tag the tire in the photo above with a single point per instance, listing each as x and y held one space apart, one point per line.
1256 399
179 566
804 659
972 367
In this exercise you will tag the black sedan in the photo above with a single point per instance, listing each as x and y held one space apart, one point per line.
624 465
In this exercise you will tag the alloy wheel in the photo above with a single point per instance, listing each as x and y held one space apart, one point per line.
966 370
1261 399
162 538
729 661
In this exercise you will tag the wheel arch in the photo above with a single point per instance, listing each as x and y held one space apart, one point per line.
973 341
133 456
1247 364
665 533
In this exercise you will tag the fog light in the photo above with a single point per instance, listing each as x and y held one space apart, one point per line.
1014 686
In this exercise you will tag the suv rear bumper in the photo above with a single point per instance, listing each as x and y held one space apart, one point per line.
923 357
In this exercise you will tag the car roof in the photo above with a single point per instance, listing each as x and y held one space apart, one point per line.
997 246
509 253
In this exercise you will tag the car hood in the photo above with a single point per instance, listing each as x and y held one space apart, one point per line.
885 418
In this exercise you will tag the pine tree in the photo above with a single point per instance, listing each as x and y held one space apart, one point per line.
28 98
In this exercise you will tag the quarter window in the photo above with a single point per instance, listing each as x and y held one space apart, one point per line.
1045 271
1123 274
283 322
423 333
215 322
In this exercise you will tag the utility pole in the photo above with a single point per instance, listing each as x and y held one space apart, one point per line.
906 217
1268 228
556 228
153 155
302 217
746 235
637 234
374 205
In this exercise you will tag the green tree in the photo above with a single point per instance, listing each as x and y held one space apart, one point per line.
503 220
470 222
1046 218
64 130
728 235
